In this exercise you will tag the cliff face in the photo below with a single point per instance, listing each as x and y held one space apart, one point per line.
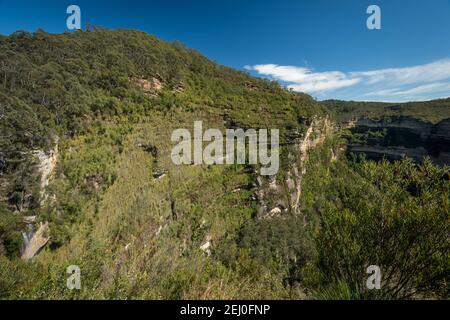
37 241
403 136
281 194
46 166
314 136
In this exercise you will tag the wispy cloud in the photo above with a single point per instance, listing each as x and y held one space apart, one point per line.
304 79
400 84
423 89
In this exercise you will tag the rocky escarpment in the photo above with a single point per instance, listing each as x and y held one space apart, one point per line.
46 166
34 241
394 138
315 135
278 194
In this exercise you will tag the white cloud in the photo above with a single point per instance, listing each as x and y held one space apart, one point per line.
423 89
407 83
328 84
434 71
304 79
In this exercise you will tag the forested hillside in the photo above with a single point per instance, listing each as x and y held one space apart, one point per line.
431 111
85 125
395 130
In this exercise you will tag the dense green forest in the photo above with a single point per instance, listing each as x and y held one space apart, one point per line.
135 223
429 111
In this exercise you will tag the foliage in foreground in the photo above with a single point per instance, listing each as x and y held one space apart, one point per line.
393 215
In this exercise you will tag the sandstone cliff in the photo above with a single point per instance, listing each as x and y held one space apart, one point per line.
278 194
395 138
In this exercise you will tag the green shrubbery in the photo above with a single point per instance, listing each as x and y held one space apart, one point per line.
136 236
393 215
429 111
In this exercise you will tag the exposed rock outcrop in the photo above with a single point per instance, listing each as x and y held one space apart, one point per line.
37 241
149 86
179 87
395 138
276 197
206 245
315 135
46 165
159 174
29 219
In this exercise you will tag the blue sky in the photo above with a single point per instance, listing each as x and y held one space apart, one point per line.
322 47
